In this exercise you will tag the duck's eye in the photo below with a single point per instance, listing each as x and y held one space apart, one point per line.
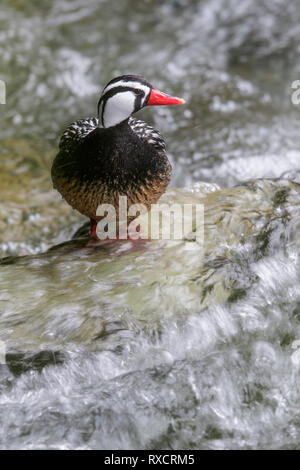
139 100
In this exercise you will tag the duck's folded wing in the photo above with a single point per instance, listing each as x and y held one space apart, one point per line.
77 131
148 133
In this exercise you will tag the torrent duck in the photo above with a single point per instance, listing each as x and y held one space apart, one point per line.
114 154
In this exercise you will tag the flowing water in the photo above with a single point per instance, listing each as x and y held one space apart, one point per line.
152 345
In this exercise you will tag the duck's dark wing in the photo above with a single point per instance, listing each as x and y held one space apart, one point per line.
76 132
147 133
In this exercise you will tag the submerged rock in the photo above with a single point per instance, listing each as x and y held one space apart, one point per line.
156 337
73 292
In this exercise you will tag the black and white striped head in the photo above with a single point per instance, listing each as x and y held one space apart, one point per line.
125 95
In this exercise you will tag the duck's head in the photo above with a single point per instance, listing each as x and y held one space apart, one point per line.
125 95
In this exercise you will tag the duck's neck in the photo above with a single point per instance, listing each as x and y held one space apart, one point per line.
117 127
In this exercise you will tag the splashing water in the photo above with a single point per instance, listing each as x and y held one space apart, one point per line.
152 345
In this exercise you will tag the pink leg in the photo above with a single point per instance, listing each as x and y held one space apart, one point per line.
93 233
